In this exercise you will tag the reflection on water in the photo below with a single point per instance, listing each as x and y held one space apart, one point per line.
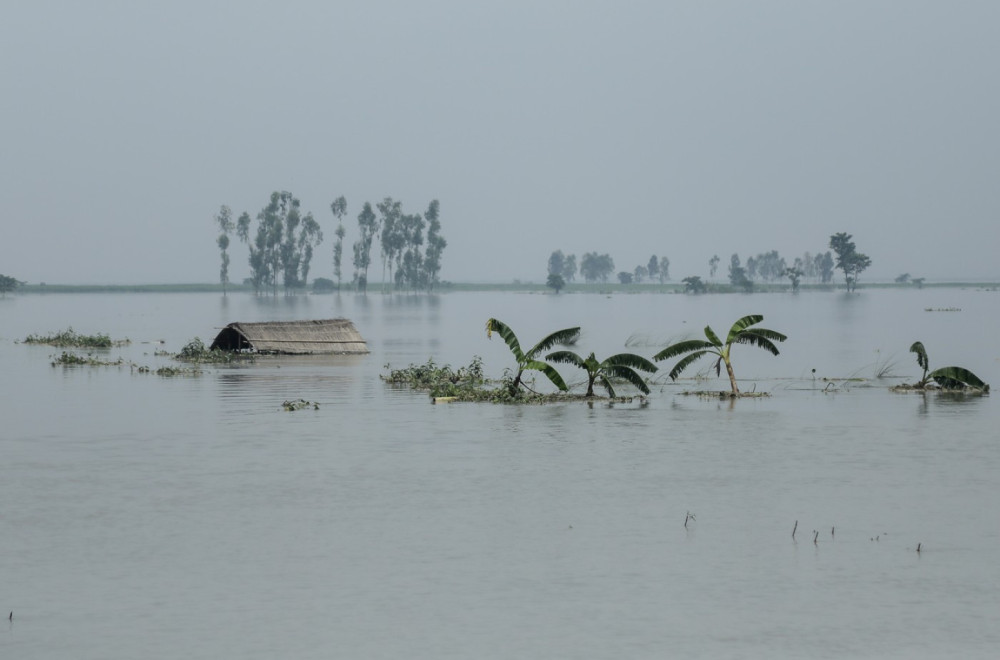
195 514
948 404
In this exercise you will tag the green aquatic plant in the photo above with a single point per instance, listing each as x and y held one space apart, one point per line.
528 360
467 384
429 375
947 378
622 366
170 372
740 333
196 351
73 360
69 338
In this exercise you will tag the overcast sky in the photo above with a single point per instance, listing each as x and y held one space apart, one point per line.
680 128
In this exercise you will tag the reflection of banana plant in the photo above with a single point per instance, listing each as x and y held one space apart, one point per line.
621 366
527 360
947 378
740 333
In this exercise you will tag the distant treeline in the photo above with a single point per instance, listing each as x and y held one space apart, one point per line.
283 245
514 286
8 284
767 267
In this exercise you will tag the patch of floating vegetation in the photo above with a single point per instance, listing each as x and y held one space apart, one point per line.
945 379
299 404
722 394
70 338
440 381
445 384
166 372
502 395
196 351
193 352
931 387
67 359
73 360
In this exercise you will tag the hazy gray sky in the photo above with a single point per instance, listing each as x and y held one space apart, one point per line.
683 129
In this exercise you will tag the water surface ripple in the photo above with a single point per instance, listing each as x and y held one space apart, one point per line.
194 517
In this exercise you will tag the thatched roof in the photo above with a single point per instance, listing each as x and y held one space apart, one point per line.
292 337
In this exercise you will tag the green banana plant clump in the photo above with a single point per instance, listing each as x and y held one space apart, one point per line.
528 361
947 378
740 333
621 366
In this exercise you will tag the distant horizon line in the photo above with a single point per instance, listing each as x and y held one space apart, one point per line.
376 285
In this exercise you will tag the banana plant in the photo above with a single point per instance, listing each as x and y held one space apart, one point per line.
947 378
528 361
740 333
622 365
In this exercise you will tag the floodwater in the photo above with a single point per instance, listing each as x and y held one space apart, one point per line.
192 517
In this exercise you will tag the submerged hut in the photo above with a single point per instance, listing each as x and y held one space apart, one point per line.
329 336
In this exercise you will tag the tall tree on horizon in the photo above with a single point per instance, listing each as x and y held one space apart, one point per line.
738 274
825 263
339 209
289 240
557 261
310 235
391 238
259 273
368 227
283 243
664 270
409 258
226 226
435 244
849 259
569 268
595 267
713 265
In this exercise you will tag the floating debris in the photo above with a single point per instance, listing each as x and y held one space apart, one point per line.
299 404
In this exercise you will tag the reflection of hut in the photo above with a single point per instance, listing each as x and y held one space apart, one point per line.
292 337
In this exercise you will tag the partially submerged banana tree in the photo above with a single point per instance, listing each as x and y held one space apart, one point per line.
527 361
622 365
740 333
947 378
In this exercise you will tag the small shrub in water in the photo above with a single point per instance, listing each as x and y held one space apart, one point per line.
73 360
436 379
69 338
196 351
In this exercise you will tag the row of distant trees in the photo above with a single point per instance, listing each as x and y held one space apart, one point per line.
656 269
282 246
766 266
770 266
594 267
